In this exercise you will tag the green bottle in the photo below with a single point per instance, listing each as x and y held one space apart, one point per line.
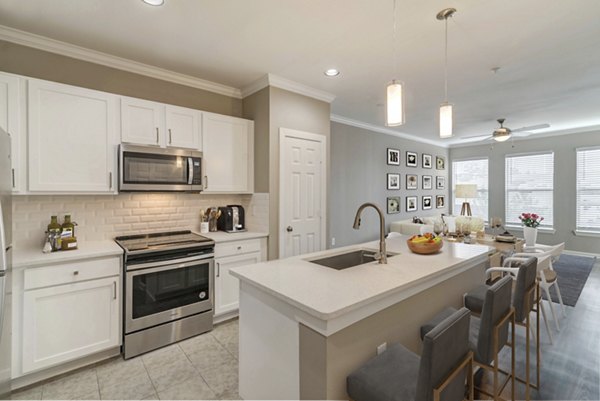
67 225
54 226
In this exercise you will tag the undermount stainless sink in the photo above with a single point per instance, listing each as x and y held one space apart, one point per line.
349 259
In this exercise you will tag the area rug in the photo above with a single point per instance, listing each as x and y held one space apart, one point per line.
572 272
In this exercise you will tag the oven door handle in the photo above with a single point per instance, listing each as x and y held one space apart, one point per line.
169 264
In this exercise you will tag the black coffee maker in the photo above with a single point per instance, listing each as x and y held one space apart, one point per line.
232 219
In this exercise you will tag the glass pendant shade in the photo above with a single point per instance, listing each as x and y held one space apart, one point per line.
395 105
445 120
502 138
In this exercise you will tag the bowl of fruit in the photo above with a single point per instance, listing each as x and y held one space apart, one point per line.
425 244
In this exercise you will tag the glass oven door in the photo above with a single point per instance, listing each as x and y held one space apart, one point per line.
156 295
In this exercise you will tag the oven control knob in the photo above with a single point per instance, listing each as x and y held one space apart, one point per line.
202 295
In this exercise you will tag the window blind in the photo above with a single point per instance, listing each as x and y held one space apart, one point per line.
471 172
530 187
588 190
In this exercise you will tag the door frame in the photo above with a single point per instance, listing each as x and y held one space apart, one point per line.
322 139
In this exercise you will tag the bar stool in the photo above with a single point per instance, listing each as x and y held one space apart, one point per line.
489 334
438 375
525 299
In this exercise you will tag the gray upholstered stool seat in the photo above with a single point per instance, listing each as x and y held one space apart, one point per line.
391 376
400 375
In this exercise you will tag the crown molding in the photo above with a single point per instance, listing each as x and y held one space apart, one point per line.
81 53
286 84
589 129
388 131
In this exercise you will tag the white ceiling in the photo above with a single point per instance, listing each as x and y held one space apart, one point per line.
548 51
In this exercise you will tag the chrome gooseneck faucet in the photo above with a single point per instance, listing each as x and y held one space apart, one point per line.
382 257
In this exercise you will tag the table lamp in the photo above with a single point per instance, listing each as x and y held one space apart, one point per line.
465 191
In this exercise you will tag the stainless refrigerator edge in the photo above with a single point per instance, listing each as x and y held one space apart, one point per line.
5 264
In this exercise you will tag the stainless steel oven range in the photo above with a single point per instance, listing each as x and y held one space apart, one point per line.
169 289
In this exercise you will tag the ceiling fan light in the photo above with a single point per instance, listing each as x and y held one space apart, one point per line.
501 137
394 115
446 120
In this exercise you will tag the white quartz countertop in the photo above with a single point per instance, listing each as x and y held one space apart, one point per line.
222 236
34 257
327 293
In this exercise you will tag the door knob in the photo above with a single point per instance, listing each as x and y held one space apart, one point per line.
289 229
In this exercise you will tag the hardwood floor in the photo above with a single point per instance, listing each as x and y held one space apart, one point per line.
570 368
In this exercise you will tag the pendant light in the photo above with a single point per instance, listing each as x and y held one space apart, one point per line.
394 110
446 108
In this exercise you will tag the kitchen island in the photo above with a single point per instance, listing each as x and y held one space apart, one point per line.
304 327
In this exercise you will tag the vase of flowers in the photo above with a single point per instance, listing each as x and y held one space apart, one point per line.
530 222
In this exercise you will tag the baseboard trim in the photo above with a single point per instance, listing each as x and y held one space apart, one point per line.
578 253
226 316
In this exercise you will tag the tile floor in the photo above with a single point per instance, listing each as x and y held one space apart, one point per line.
200 368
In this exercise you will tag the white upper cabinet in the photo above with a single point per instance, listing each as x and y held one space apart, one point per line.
183 127
150 123
142 121
12 104
72 139
228 153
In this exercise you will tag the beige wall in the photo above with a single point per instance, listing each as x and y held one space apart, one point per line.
256 107
35 63
293 111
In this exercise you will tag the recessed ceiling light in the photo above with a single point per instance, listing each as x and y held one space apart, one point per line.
154 2
332 72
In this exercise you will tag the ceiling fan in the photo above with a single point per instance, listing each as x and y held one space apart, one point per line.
503 133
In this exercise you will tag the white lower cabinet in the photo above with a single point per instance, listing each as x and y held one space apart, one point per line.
65 322
227 256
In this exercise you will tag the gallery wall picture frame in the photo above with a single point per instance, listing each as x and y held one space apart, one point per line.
427 182
411 159
393 181
440 182
440 163
427 161
440 201
393 157
411 204
427 202
412 181
393 204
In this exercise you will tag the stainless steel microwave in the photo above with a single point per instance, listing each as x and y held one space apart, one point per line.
149 169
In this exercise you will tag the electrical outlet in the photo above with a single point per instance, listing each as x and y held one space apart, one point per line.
381 348
332 241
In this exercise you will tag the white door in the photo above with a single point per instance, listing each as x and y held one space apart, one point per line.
70 321
10 103
72 138
183 127
302 193
228 148
142 122
227 287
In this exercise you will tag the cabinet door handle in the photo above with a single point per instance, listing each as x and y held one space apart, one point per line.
76 273
239 248
157 140
170 137
110 183
218 269
13 178
205 182
114 290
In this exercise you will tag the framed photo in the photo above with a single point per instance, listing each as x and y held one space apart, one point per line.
440 163
411 159
440 182
393 181
412 181
427 182
393 205
427 161
393 157
411 203
427 202
440 201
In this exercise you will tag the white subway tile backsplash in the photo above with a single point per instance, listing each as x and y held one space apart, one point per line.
104 217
